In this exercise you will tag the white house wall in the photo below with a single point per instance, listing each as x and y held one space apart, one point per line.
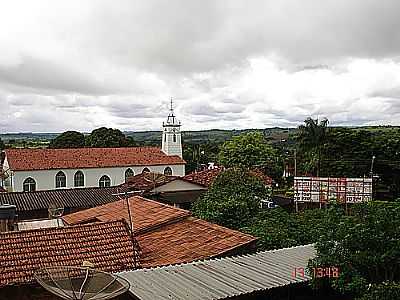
45 179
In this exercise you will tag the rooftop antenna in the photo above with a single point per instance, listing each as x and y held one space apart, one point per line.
81 283
135 243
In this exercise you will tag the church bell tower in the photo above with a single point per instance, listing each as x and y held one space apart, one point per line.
171 137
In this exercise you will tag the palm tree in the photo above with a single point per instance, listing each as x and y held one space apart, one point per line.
312 136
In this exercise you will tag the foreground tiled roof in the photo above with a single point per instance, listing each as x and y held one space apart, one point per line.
68 198
222 278
107 245
188 240
145 213
46 159
167 235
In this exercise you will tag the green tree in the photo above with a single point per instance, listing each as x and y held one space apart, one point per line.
248 150
383 291
107 138
68 139
2 145
311 138
233 198
365 247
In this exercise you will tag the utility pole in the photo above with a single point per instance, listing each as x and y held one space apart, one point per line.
295 175
372 175
372 167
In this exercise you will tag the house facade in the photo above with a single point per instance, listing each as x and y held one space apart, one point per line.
47 169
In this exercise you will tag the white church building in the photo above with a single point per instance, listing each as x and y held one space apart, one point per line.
47 169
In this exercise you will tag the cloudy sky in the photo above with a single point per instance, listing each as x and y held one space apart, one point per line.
78 65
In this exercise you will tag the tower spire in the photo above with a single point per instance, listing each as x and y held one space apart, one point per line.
171 139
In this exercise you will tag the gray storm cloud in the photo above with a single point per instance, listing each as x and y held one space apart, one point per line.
228 64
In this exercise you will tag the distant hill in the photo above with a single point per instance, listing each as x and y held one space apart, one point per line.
274 134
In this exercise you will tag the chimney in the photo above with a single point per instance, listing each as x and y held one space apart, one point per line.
8 215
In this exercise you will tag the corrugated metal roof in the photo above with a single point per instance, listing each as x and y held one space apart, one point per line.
221 278
69 198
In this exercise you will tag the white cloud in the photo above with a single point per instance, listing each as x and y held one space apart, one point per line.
229 64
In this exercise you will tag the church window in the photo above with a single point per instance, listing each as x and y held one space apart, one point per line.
168 171
29 185
61 180
79 179
129 173
174 138
104 181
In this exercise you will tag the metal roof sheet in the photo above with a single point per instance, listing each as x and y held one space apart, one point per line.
221 278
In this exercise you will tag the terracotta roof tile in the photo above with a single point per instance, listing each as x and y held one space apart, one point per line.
205 177
167 235
46 159
188 240
107 245
147 181
145 213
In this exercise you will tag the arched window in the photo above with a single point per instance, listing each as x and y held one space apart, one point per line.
129 173
168 171
61 180
174 138
29 185
104 181
79 179
146 170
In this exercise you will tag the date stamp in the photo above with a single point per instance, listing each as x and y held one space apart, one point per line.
317 272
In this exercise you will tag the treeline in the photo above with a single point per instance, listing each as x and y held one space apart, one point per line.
99 138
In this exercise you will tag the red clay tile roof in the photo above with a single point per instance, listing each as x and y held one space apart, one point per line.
167 235
205 177
107 245
145 213
258 173
188 240
147 181
46 159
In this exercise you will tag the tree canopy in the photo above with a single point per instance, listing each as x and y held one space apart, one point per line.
2 145
365 247
108 137
68 139
247 150
311 138
233 198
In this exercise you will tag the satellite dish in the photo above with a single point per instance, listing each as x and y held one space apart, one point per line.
81 283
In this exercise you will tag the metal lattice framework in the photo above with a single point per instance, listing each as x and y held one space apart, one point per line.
81 283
